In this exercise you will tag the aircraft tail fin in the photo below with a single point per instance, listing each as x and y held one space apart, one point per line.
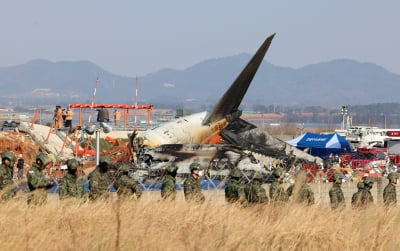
232 98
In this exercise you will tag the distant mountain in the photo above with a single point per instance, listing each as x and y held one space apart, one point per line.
333 83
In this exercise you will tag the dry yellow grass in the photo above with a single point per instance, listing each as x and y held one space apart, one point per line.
152 225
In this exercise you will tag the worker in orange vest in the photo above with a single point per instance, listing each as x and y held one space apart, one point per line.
69 114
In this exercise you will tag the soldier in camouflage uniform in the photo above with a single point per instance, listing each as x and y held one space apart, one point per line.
191 186
277 193
363 197
254 192
38 183
98 179
234 191
355 199
168 189
389 193
301 191
71 186
6 174
126 186
336 193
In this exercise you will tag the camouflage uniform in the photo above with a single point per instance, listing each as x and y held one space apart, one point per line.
98 184
125 185
234 191
168 190
363 197
254 192
304 196
389 193
192 190
38 184
6 175
98 180
335 193
277 193
191 186
71 186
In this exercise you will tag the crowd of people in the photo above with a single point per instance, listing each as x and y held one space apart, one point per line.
100 183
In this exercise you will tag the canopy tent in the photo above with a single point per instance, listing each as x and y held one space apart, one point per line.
321 145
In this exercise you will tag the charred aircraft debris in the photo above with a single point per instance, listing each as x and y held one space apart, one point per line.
192 138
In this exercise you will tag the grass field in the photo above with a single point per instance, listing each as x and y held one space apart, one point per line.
152 225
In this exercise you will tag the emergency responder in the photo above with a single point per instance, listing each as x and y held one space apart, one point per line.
254 192
301 191
117 117
98 180
71 186
191 186
57 117
277 193
6 174
126 186
38 182
364 198
335 193
389 193
168 189
69 114
234 191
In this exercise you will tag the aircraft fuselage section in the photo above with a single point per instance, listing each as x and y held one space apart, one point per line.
185 130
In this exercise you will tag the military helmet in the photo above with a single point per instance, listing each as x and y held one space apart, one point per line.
368 180
235 173
392 176
338 176
172 168
105 159
124 168
72 164
257 176
43 158
194 166
8 155
277 172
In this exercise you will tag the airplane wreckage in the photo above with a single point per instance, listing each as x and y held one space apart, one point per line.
219 140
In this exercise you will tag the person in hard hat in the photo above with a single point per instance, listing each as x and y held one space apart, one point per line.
191 186
254 192
117 117
20 167
71 185
234 191
277 193
301 191
168 187
363 198
126 186
98 180
389 193
335 193
38 183
6 174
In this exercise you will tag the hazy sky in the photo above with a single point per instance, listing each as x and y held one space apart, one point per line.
132 38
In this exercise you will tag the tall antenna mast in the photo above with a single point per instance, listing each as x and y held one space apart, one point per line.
93 97
136 102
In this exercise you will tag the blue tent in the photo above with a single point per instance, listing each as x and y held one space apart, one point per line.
321 145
